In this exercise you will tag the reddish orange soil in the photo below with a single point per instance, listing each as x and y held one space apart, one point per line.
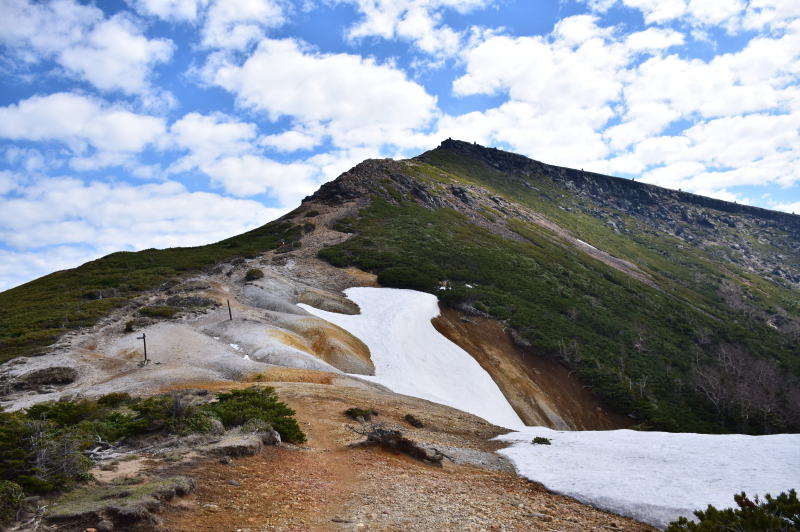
326 485
542 391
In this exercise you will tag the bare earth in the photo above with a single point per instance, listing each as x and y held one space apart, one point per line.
326 485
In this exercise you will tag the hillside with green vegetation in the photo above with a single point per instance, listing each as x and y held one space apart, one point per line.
709 344
36 314
680 311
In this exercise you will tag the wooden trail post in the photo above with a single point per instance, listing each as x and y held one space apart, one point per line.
143 338
230 314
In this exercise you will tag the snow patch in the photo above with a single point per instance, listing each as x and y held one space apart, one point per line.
656 477
585 244
236 346
411 357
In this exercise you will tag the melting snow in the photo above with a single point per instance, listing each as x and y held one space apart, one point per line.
411 357
656 477
651 476
235 346
585 243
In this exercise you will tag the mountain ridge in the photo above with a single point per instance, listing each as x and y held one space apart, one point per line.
657 309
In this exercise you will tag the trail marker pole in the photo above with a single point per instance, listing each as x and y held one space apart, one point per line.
143 338
230 314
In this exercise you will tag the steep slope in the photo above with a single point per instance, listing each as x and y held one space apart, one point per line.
681 311
678 311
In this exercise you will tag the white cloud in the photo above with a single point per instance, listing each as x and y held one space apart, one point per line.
715 12
116 56
654 39
656 11
418 21
69 211
236 24
79 122
209 137
8 181
353 99
228 152
792 207
250 175
771 14
289 141
87 220
111 54
178 10
560 91
17 267
36 30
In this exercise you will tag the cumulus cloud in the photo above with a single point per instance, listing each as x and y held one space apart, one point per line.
591 96
417 21
228 152
238 23
178 10
110 53
116 56
85 220
353 99
560 90
79 122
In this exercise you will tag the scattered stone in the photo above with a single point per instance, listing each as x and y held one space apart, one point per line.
234 483
235 445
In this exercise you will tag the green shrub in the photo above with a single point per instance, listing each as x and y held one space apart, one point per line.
253 274
539 440
779 514
11 497
63 412
406 277
42 448
362 413
114 399
238 406
198 422
158 311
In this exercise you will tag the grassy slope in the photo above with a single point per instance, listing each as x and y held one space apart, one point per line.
34 315
635 345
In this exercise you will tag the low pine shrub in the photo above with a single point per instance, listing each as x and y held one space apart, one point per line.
11 496
42 448
402 277
253 274
158 311
239 406
776 514
539 440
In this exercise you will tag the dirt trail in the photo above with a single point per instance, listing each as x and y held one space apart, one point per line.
325 485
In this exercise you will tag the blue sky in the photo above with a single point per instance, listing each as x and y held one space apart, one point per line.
154 123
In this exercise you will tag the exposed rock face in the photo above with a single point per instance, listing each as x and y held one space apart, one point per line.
542 391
